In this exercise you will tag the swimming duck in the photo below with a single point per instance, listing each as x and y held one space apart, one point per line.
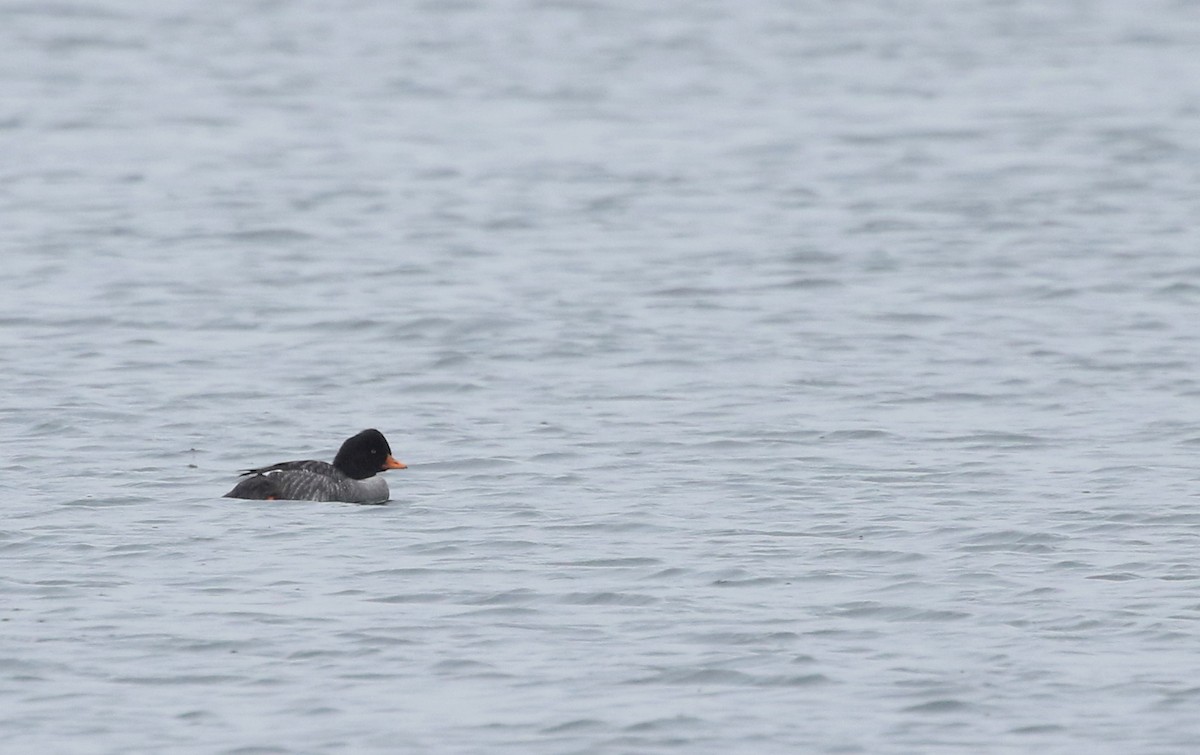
350 478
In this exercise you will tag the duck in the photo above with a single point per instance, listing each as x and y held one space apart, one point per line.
351 478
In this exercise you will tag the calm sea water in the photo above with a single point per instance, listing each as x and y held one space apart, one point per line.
773 376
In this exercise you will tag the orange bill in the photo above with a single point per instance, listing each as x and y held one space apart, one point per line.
391 463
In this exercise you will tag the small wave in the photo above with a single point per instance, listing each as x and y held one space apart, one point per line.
936 706
728 677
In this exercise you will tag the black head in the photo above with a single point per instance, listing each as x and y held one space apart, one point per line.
364 455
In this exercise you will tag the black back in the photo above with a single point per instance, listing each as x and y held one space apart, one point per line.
257 488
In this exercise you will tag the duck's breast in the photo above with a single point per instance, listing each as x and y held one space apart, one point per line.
371 490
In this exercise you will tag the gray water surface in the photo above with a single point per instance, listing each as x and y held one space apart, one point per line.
773 376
